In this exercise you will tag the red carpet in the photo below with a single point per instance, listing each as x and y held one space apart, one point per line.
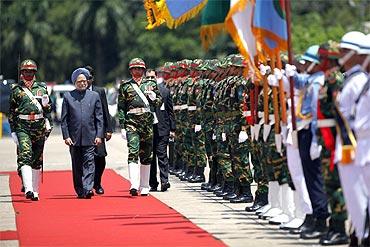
114 219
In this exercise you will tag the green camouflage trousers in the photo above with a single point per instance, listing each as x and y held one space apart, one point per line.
31 137
276 164
179 142
188 151
140 142
239 158
199 158
332 184
223 155
259 174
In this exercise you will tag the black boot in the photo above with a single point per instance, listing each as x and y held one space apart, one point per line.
228 188
336 234
308 223
245 195
198 175
188 173
234 193
30 195
218 183
260 201
317 231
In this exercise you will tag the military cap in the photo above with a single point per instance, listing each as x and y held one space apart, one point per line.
237 60
185 64
197 64
28 64
329 50
137 63
311 54
351 40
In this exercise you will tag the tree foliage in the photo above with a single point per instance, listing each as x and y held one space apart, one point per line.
63 35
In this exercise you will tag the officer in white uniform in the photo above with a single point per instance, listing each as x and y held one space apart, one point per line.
352 171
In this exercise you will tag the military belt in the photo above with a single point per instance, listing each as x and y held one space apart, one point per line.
192 108
31 117
326 123
176 107
247 113
183 107
138 110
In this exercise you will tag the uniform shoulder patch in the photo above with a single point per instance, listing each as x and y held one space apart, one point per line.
15 85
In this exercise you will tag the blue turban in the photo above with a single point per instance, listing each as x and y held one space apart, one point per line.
78 72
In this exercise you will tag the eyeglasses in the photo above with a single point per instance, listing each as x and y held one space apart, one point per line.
150 77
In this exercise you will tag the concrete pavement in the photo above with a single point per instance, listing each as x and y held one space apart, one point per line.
225 221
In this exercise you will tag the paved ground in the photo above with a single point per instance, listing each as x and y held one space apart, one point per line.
226 221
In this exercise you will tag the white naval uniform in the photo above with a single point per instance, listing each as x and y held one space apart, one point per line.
353 175
302 200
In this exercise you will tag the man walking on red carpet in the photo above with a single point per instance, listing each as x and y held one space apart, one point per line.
82 129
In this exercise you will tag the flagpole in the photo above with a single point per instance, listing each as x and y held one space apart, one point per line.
290 60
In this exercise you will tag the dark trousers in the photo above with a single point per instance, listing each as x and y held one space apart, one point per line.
313 174
160 144
99 169
83 168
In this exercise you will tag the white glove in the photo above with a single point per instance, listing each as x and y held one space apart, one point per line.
152 95
123 134
197 128
45 100
243 136
272 81
15 138
213 136
278 73
264 69
47 124
315 150
290 70
223 136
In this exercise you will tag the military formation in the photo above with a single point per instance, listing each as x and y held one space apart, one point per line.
234 123
311 168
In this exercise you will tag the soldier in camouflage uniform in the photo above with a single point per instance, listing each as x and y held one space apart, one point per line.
136 100
205 99
199 156
329 53
29 119
237 131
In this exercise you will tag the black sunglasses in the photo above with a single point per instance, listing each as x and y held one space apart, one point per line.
150 77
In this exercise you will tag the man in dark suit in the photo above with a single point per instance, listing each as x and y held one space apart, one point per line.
163 130
100 151
82 129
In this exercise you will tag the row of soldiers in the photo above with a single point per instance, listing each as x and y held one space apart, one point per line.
232 123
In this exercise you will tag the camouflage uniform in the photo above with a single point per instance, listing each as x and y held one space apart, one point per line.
30 120
137 119
199 156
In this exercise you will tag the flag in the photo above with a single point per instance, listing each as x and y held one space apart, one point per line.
173 12
269 27
213 20
239 25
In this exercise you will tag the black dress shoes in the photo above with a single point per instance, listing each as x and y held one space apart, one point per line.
317 231
153 189
29 195
333 237
133 192
165 186
99 190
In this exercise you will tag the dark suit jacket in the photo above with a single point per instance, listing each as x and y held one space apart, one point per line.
82 117
165 115
107 126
